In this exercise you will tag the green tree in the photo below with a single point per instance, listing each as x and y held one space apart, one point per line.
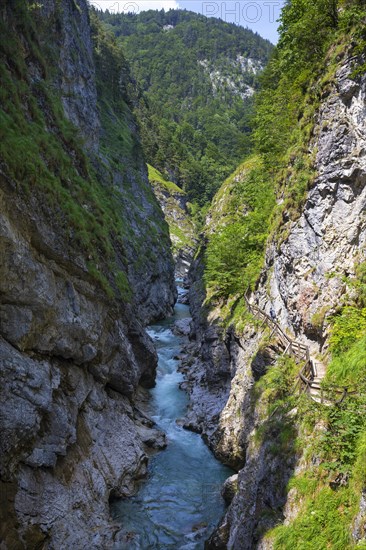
195 130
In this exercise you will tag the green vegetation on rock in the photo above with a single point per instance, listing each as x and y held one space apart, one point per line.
348 337
326 492
323 495
155 177
238 231
44 154
173 201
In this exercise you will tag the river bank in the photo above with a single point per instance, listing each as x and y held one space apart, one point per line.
180 503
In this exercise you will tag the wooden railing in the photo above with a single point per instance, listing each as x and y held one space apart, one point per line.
292 347
327 395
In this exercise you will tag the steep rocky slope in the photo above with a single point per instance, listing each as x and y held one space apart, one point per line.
244 397
85 264
173 201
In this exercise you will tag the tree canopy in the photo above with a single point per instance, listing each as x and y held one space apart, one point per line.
195 78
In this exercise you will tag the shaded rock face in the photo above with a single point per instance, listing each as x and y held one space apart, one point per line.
328 238
152 280
77 72
71 358
70 443
230 488
210 377
359 527
183 259
70 362
47 310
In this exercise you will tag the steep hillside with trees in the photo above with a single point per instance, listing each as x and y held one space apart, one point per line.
197 77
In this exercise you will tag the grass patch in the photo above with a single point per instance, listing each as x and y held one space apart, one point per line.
348 337
156 177
323 522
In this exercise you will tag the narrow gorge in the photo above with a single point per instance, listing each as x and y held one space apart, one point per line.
141 152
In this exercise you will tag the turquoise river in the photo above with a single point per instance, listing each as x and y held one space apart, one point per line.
179 504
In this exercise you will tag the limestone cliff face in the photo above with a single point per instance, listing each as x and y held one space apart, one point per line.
72 351
76 78
302 277
330 236
173 201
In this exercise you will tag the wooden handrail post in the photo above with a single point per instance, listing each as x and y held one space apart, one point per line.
344 395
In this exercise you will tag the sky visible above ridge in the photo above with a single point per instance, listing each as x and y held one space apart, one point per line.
259 15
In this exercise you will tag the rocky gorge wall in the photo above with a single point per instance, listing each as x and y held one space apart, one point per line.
173 201
303 275
73 349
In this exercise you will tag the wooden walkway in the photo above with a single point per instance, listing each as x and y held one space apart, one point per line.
312 372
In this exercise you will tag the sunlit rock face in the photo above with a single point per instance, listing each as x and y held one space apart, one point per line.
331 232
302 275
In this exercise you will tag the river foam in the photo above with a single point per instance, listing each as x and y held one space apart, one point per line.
179 504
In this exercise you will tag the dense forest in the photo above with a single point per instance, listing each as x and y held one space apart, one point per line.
195 78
